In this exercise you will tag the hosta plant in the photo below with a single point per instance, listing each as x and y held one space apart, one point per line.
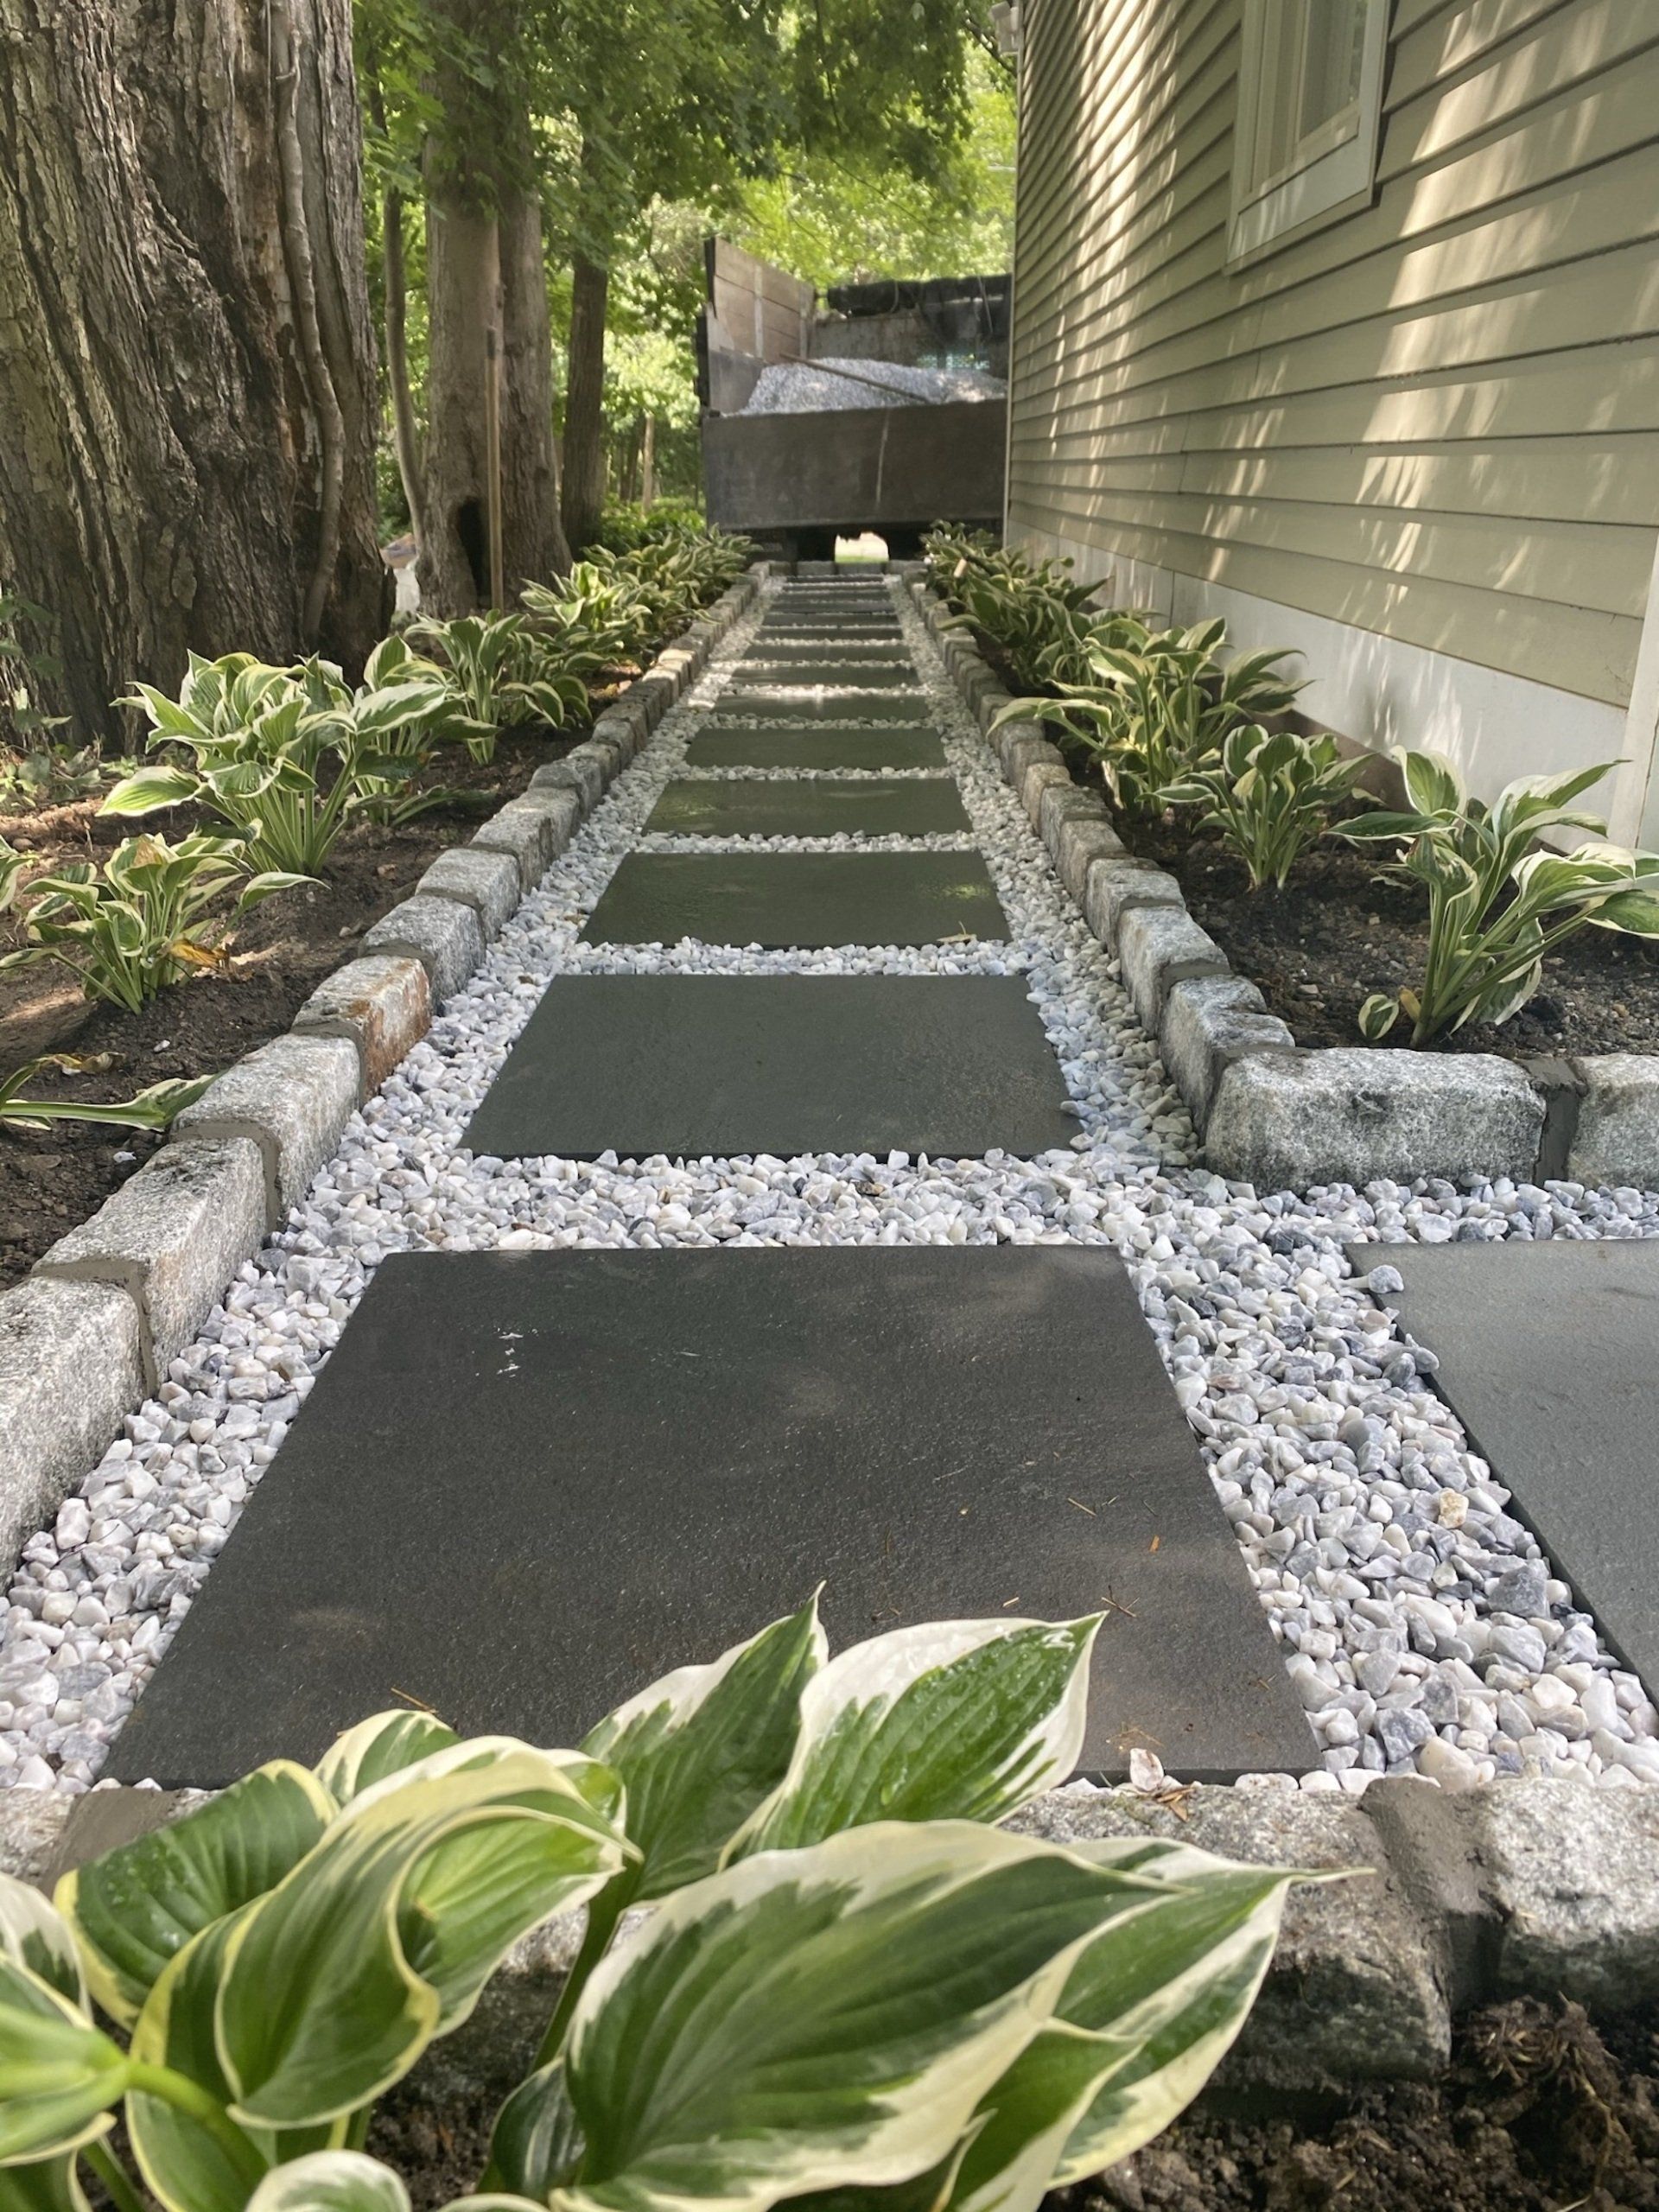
153 1107
1155 706
848 1977
285 757
1497 907
1269 798
155 914
499 676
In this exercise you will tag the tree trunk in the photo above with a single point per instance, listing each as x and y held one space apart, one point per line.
485 268
584 405
648 465
161 475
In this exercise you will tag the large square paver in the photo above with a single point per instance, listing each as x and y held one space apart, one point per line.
742 745
830 625
801 900
1549 1355
758 674
528 1483
810 806
697 1066
844 703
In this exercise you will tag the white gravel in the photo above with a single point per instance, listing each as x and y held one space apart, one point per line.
1422 1627
816 387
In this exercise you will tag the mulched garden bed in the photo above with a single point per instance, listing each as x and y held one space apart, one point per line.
1542 2110
51 1181
1336 933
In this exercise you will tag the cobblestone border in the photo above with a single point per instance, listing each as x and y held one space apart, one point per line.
87 1336
1272 1112
1521 1887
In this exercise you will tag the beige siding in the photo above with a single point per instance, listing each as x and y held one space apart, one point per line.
1437 418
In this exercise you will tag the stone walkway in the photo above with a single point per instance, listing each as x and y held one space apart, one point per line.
1382 1550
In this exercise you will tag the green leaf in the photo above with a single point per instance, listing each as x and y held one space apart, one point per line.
146 789
59 2074
1176 1980
1377 1016
36 1933
383 1935
330 2181
1026 2119
537 2143
950 1720
387 1742
1636 913
827 2018
189 2165
700 1750
138 1906
1433 783
49 2185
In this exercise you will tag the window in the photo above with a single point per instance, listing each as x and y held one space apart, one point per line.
1310 91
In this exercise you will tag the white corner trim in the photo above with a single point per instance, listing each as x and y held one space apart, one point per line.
1384 692
1635 811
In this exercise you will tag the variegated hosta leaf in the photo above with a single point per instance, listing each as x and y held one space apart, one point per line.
1176 1979
59 2074
537 2142
138 1906
823 2018
925 2192
52 2185
699 1749
1025 2120
383 1935
35 1934
949 1720
330 2181
386 1743
188 2166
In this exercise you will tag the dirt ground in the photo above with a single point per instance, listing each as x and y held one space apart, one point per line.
50 1181
1542 2111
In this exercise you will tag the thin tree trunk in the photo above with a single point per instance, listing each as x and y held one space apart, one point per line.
584 405
480 221
405 429
648 465
161 478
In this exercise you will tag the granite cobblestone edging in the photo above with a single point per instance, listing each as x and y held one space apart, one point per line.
1269 1111
87 1336
1518 1888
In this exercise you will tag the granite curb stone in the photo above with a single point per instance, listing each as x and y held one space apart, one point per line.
1617 1137
585 777
1290 1120
1113 887
1208 1022
1039 780
172 1236
487 882
293 1098
445 936
71 1366
1080 842
1159 947
383 1003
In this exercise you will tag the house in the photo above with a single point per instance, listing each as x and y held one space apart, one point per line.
1340 319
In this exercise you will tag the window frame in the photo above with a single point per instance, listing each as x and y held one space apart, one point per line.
1324 181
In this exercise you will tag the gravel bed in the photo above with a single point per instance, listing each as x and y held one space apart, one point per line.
813 388
1419 1620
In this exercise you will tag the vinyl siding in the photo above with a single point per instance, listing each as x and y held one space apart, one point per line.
1436 418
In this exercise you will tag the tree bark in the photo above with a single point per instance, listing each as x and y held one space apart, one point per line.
584 403
161 475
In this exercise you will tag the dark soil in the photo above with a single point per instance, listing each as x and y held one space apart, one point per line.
1541 2111
284 948
1337 932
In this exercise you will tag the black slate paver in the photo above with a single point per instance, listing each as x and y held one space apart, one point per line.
813 806
780 900
1549 1355
781 705
697 1066
757 673
855 651
527 1484
830 625
742 745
